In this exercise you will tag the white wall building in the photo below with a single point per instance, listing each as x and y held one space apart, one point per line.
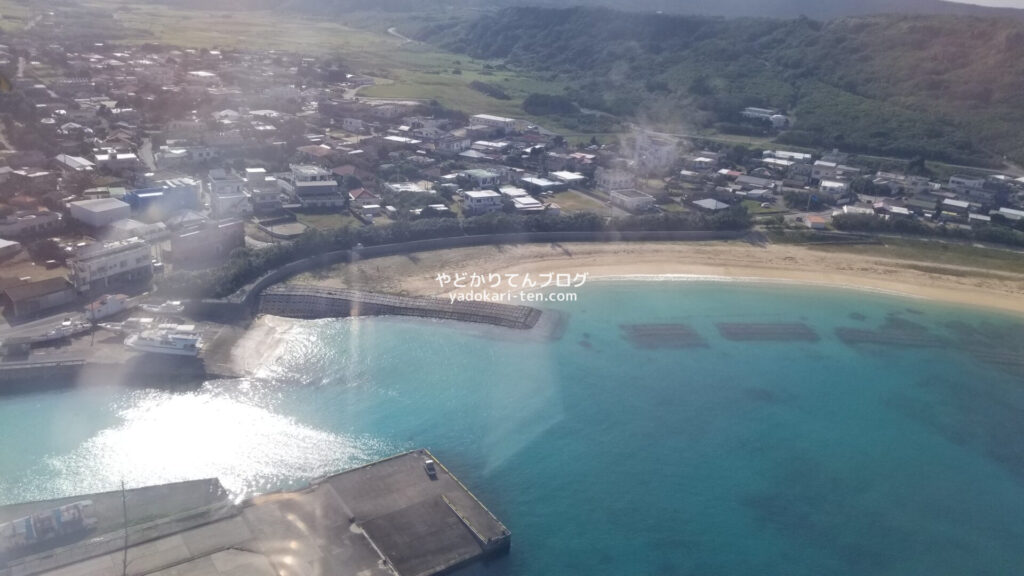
609 179
228 195
632 200
823 170
962 183
107 263
481 201
27 222
312 186
99 212
493 121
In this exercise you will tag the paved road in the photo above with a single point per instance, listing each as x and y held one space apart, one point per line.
1008 167
146 154
394 32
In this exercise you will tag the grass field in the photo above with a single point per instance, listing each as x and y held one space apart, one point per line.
412 71
573 201
14 15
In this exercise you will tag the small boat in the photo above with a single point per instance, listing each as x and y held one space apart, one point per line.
65 329
169 307
172 342
128 326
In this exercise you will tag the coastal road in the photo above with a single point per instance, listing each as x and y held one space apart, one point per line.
394 32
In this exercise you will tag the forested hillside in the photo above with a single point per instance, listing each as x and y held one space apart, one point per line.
947 88
819 9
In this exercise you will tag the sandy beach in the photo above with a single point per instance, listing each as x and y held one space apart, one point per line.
416 274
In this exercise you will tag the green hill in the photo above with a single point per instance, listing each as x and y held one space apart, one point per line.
947 88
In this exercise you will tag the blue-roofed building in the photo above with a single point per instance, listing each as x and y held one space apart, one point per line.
164 198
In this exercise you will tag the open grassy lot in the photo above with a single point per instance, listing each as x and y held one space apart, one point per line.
14 16
574 201
328 220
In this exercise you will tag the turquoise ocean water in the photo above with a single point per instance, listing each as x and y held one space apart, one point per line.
601 456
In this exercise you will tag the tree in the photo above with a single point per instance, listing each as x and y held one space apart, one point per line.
916 167
46 249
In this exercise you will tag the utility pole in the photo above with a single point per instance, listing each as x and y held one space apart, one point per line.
124 513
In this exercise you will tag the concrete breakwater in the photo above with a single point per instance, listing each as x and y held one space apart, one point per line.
406 515
304 301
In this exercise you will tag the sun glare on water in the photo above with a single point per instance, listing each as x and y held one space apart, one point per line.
165 437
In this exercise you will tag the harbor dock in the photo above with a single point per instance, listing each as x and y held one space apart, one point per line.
399 516
305 301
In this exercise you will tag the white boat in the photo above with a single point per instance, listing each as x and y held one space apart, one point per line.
66 329
166 342
129 325
169 307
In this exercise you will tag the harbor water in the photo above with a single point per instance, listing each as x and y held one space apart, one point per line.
606 453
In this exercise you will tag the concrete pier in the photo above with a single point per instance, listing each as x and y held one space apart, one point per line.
386 518
303 301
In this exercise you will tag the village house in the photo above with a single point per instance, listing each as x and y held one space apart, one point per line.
30 223
311 186
361 197
631 200
108 263
228 198
30 298
481 201
608 179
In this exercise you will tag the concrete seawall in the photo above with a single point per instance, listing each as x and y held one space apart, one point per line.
392 517
241 304
302 301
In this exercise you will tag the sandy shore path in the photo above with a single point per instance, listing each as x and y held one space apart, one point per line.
416 274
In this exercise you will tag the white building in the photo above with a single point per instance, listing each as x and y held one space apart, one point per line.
632 200
9 248
202 78
528 204
824 170
128 228
481 201
1011 214
569 178
311 186
67 163
99 212
228 196
613 179
352 125
481 178
114 160
108 263
962 183
655 153
493 121
27 222
799 157
834 187
513 192
400 187
755 113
